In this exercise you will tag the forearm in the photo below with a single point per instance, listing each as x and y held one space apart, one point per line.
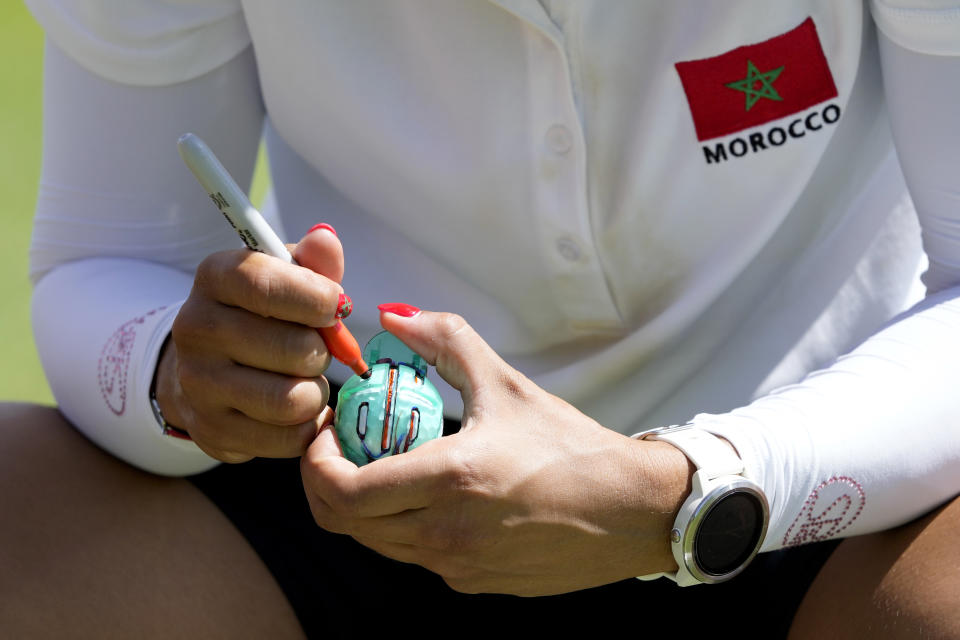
873 441
120 225
867 444
99 325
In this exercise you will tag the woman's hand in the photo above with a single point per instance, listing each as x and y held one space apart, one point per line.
242 372
531 497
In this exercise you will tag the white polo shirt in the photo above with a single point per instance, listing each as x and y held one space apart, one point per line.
652 209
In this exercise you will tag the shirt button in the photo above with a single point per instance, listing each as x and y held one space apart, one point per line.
569 249
559 139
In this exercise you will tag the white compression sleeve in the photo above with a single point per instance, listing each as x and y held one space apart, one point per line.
100 367
874 440
120 226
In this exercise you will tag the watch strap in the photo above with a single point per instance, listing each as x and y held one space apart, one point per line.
713 458
708 453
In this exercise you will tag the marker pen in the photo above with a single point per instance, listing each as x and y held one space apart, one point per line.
257 235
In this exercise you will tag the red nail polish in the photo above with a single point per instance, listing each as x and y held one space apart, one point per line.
344 306
323 225
399 308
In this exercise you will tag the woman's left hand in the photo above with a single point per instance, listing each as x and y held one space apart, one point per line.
531 497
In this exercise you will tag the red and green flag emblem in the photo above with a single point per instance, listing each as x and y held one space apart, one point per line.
757 83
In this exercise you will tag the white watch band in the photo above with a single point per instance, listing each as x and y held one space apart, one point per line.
713 458
707 452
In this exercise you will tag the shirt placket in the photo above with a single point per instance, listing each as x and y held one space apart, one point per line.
564 236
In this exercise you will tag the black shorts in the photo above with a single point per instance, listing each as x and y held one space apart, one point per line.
339 588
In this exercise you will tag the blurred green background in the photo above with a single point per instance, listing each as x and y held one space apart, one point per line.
21 48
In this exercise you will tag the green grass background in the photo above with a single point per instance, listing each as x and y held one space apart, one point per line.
21 49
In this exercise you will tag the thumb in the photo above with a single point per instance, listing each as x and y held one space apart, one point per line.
320 251
445 340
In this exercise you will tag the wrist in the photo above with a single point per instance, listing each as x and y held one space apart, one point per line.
163 392
720 526
667 475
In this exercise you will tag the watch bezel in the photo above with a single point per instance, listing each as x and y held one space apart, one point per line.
691 518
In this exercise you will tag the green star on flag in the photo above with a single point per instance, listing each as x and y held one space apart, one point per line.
750 88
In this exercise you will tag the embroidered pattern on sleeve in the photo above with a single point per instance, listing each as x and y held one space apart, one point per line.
114 363
829 509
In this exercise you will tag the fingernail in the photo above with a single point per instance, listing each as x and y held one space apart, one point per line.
399 308
344 306
323 225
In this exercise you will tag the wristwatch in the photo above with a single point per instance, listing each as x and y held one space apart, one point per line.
721 525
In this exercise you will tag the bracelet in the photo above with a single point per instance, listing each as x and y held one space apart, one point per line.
166 428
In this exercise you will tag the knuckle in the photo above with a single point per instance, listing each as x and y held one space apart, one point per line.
302 401
313 469
190 374
208 273
280 440
323 302
320 359
195 325
323 388
462 470
301 437
211 273
213 433
306 351
451 324
181 332
343 501
184 325
285 405
313 295
258 284
223 455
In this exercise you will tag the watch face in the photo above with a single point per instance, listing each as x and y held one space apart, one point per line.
729 533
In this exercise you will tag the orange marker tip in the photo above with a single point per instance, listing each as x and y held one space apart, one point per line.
359 367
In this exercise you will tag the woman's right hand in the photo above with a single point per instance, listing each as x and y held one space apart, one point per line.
243 370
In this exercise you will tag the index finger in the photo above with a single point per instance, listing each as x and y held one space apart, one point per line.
269 287
411 480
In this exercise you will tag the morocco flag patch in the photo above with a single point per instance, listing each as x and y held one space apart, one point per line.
757 83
